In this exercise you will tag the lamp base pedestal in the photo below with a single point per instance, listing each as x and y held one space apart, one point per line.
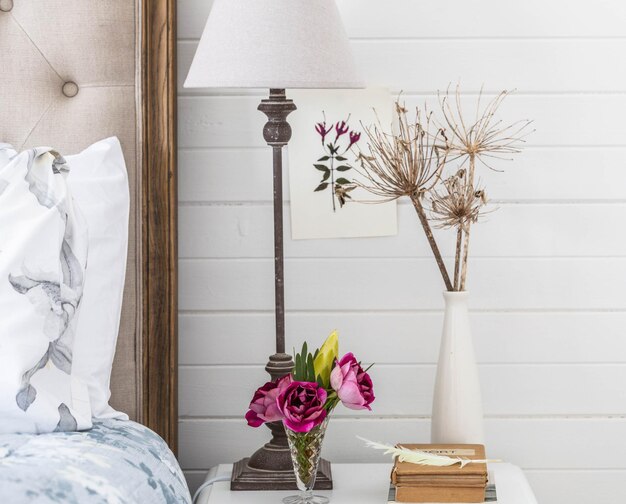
246 478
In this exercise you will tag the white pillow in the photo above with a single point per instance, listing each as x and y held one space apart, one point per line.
99 184
43 254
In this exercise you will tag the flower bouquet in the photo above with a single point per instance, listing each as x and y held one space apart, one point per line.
303 401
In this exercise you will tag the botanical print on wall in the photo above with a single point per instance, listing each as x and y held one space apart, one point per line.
324 191
333 164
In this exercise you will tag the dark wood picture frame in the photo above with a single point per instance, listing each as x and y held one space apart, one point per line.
159 343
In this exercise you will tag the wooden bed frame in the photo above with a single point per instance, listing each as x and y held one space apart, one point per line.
159 221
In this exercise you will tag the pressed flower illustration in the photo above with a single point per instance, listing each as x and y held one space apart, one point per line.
334 163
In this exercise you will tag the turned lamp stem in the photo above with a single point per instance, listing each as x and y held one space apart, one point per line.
277 133
270 467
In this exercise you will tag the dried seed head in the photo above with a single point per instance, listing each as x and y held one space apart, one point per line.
406 163
485 137
458 205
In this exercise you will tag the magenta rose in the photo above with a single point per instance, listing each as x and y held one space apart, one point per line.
353 385
263 407
302 405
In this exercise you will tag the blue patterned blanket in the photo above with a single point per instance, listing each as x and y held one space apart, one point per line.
116 462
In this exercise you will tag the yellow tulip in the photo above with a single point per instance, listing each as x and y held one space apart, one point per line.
326 357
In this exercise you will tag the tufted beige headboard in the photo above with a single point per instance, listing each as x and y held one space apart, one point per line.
73 72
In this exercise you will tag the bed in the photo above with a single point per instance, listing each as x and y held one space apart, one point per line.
73 72
115 462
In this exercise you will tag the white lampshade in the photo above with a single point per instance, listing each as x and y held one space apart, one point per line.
274 44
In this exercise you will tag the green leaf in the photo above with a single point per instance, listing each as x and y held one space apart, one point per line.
305 352
325 158
326 176
343 168
321 167
310 369
303 366
321 187
340 158
297 367
342 180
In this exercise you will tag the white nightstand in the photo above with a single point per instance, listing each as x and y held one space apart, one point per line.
365 484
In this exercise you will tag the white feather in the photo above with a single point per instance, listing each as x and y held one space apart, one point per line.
421 457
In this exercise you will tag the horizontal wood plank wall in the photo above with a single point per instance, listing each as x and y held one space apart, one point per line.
548 272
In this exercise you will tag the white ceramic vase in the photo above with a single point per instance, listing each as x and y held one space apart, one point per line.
457 405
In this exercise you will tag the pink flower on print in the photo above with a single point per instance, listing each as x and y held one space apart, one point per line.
322 130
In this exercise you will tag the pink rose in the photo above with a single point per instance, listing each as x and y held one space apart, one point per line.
302 405
353 385
263 407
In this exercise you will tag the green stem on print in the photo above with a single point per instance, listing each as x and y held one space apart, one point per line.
332 181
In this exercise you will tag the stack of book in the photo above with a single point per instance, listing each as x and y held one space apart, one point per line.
426 483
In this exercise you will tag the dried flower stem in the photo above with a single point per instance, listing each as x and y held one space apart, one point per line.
431 240
408 163
461 287
480 139
457 257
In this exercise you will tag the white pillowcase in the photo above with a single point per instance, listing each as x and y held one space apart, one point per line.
99 184
43 254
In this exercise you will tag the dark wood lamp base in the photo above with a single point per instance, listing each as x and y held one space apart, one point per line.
246 478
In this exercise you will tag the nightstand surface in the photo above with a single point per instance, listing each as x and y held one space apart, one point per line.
367 484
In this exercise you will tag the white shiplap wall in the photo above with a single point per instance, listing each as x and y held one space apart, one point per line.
548 272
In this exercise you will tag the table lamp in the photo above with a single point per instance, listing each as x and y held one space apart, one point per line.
275 44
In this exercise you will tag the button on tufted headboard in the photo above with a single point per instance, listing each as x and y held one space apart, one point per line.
76 71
